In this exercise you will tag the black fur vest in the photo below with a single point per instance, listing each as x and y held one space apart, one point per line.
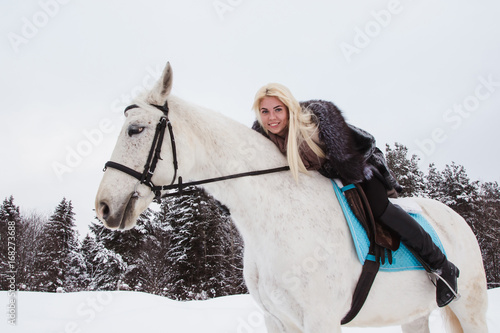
351 153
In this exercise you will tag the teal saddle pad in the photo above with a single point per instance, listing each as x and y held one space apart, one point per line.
403 259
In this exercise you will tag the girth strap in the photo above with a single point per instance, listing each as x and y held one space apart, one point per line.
368 274
358 202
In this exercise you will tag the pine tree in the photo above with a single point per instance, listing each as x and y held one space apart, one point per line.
435 183
232 265
205 259
76 272
185 251
129 245
213 241
478 204
59 249
189 249
405 170
153 259
104 268
487 229
460 193
10 221
30 238
453 187
125 242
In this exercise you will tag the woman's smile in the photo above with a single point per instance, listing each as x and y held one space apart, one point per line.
274 115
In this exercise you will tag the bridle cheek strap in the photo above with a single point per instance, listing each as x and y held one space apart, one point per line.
154 154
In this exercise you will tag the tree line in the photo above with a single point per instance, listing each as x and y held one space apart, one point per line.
477 202
190 249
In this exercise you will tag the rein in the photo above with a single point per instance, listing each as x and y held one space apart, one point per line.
154 156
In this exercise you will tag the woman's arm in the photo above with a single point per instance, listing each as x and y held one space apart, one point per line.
342 157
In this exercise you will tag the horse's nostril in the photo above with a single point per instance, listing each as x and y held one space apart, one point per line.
104 210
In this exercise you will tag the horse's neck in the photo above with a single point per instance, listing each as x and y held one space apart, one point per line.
225 147
269 210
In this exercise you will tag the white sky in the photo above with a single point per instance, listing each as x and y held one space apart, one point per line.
402 70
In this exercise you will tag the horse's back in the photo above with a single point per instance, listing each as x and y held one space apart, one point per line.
452 228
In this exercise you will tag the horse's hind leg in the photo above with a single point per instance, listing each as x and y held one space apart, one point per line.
420 325
466 317
468 313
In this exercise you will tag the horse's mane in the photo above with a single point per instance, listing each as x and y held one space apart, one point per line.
229 139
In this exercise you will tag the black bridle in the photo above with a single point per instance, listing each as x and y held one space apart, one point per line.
154 156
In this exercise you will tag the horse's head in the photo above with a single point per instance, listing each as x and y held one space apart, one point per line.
121 196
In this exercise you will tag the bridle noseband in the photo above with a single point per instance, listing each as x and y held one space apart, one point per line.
154 156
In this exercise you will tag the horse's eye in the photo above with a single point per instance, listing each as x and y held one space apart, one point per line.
135 129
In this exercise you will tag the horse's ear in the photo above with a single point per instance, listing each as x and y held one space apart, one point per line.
163 87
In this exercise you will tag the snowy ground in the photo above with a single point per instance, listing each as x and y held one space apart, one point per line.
124 312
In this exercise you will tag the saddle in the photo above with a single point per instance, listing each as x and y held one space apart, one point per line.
382 239
374 242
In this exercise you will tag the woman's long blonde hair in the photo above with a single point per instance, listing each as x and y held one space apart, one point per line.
301 125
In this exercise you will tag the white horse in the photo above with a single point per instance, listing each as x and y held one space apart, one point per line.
300 262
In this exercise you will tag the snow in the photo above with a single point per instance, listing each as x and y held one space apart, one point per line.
124 311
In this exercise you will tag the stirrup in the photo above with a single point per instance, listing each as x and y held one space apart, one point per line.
434 276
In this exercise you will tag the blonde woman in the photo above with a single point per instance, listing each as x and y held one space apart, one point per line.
315 136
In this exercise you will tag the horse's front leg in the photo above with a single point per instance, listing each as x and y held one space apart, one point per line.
326 303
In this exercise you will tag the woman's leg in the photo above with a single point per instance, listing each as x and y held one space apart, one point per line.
413 236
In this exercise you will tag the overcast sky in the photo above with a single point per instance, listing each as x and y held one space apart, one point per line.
422 73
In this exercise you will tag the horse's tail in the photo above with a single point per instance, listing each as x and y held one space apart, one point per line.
451 321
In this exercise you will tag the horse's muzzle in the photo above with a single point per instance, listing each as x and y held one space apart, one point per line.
119 217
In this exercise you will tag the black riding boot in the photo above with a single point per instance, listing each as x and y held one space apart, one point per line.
420 242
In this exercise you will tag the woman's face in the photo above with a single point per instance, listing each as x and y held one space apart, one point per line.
274 115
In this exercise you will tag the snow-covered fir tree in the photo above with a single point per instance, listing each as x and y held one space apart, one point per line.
232 259
453 187
405 170
205 248
478 204
188 248
10 221
104 268
435 188
129 245
59 251
153 259
488 231
29 240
